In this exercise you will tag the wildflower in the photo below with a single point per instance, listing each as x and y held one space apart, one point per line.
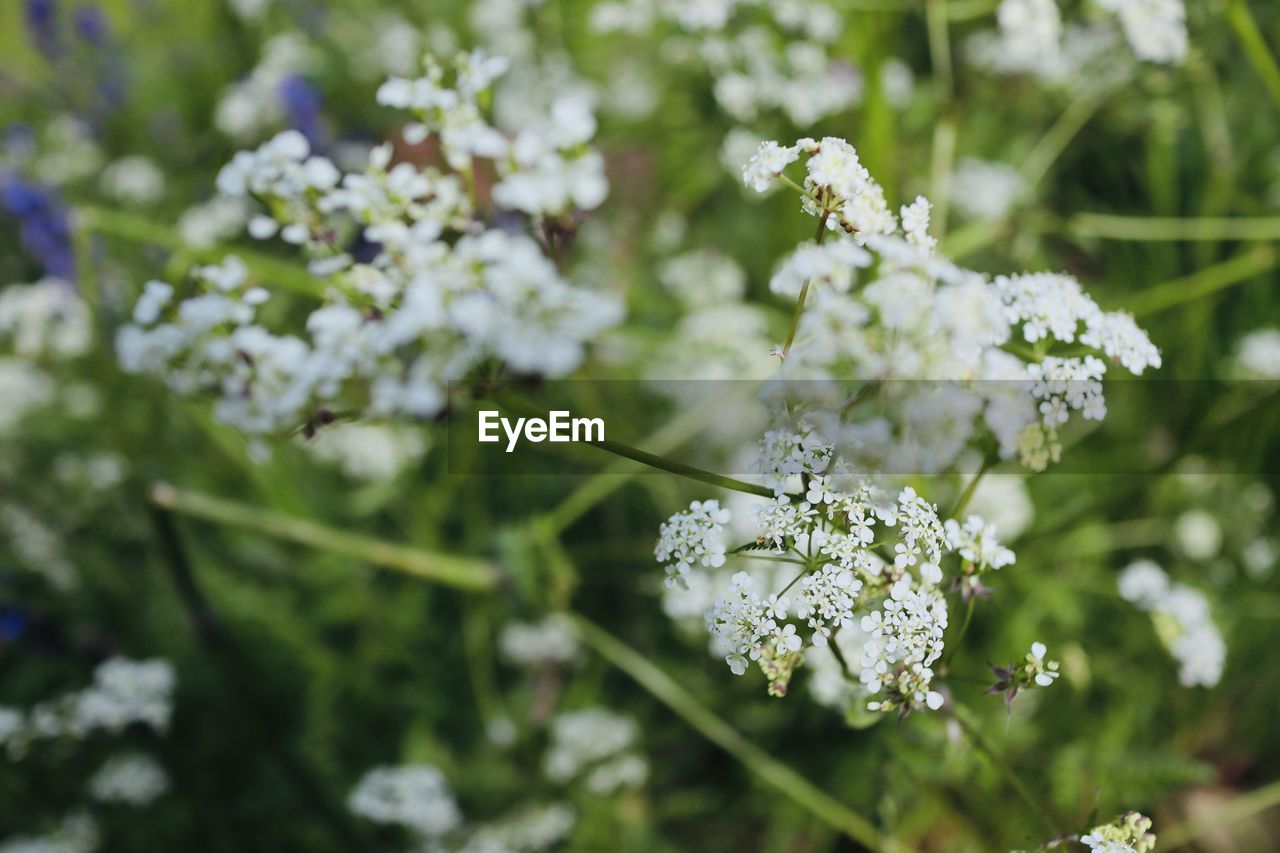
1183 621
549 641
596 744
1129 833
692 538
1033 671
413 795
132 778
1258 354
1155 29
767 164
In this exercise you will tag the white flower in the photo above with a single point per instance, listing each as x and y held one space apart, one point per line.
133 778
414 795
976 542
597 743
1156 29
549 641
1258 354
915 223
1183 619
766 164
692 538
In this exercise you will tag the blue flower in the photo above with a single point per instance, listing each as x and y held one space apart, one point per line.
43 225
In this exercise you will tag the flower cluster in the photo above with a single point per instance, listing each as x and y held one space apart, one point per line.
551 641
849 581
1005 353
415 796
418 798
443 293
1033 671
1258 355
131 778
1182 619
976 543
764 57
1129 833
123 693
596 745
692 538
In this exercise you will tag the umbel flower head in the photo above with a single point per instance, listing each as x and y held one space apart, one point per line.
443 293
1129 833
1012 358
863 564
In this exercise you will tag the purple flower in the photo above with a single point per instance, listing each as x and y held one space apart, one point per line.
42 25
302 102
43 226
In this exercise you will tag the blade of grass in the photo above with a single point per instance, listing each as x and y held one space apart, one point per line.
1255 46
1244 806
136 229
1212 279
767 768
1168 228
461 572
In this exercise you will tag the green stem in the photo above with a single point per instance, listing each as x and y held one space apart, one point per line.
1181 291
666 439
1231 813
943 158
954 644
1169 228
1059 136
939 43
461 572
1255 46
136 229
652 460
970 729
804 288
765 767
967 495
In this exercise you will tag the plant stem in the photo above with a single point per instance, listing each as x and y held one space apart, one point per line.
652 460
604 483
954 644
465 573
1169 228
1205 282
136 229
943 158
213 634
961 716
939 43
1255 46
765 767
804 288
1232 812
1059 135
967 495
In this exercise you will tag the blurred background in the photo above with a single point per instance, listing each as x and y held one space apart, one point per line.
296 658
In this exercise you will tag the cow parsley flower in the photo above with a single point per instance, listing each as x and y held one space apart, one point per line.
596 745
1183 620
413 795
442 294
134 779
692 538
1129 833
905 639
1155 29
1258 355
